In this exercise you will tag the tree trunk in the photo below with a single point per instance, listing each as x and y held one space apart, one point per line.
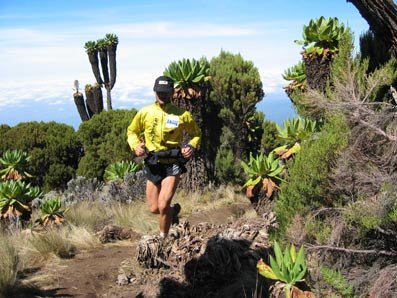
196 177
90 102
108 98
98 99
318 69
79 101
103 56
381 16
112 64
93 57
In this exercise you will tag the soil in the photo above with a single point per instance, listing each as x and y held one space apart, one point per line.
94 273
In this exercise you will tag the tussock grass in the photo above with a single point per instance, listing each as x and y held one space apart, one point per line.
89 215
51 242
225 195
9 263
136 216
80 237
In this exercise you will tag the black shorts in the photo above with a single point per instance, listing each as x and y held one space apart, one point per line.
156 173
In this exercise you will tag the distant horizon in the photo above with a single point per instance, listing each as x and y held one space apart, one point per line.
42 46
276 108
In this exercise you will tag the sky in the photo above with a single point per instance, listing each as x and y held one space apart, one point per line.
42 47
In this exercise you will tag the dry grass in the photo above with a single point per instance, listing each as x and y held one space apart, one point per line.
210 200
9 262
45 244
37 248
136 216
88 215
80 237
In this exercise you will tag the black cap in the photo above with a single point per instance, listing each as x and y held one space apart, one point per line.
163 84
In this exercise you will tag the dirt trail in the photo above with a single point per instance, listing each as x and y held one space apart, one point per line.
94 273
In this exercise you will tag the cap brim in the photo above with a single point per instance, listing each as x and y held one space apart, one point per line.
165 89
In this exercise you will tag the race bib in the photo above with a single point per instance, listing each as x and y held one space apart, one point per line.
172 121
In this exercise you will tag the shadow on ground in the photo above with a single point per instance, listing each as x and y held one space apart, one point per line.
226 269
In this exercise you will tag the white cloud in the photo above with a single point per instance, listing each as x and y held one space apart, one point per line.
40 65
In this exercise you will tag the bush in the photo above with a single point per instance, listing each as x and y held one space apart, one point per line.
236 89
227 171
307 184
54 149
105 141
372 212
269 139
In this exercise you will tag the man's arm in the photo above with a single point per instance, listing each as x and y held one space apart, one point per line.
133 133
194 131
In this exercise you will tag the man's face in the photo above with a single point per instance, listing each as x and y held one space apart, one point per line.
164 97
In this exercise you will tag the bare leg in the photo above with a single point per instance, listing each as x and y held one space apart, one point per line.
167 191
152 196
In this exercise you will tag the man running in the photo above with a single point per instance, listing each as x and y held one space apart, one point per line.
156 133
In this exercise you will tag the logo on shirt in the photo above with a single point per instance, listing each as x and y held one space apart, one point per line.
172 121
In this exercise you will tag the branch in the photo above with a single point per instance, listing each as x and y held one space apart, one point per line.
386 232
378 131
352 251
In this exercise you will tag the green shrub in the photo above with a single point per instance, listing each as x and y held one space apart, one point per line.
236 88
318 229
105 142
306 187
269 139
337 281
53 147
227 171
369 213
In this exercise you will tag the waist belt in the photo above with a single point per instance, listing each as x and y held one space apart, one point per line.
165 157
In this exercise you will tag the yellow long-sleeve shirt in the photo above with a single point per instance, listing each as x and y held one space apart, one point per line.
162 128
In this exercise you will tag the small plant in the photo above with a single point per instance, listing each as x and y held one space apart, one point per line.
15 199
51 212
337 281
296 74
263 172
321 37
14 164
288 268
118 170
293 133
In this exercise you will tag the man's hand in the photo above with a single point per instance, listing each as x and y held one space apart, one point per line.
187 151
140 149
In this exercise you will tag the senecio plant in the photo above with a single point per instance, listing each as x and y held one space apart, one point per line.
321 36
51 213
264 174
118 170
188 75
297 75
293 133
16 198
13 164
288 268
